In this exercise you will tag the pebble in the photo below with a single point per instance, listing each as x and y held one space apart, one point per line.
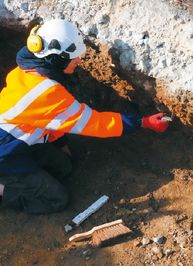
122 201
159 239
145 211
145 241
154 259
168 252
104 19
156 250
24 7
67 228
87 252
137 243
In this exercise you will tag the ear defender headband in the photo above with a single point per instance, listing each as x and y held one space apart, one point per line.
34 41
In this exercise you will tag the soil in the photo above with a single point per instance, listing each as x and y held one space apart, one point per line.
147 176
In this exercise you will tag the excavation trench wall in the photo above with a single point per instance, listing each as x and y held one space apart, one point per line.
153 38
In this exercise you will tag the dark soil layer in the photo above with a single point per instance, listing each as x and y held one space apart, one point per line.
148 177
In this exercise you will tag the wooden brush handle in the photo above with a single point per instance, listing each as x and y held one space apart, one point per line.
81 236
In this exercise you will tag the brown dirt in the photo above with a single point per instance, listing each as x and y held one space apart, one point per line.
180 103
148 177
186 4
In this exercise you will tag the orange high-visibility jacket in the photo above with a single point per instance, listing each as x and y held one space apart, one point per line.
34 107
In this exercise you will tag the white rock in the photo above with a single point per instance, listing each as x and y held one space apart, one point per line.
156 250
158 239
67 228
145 241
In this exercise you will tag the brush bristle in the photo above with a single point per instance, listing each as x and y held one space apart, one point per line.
103 235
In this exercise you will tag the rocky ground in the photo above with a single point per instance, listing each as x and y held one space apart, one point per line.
148 177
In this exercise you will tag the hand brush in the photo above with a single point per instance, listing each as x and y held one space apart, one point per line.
103 233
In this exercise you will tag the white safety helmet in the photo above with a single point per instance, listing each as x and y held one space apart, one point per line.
59 36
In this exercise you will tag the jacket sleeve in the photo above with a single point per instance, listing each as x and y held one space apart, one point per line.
57 111
79 118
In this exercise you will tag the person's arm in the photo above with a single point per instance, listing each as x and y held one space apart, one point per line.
67 115
64 114
57 112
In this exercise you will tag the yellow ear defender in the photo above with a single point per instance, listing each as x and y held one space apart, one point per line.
34 41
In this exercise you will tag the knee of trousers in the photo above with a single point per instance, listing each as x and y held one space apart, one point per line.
35 193
52 194
61 202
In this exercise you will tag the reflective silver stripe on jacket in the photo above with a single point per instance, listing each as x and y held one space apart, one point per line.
16 132
81 123
27 99
62 117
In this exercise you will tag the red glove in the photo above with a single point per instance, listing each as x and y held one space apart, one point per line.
155 123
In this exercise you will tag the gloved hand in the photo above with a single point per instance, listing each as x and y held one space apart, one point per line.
155 123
